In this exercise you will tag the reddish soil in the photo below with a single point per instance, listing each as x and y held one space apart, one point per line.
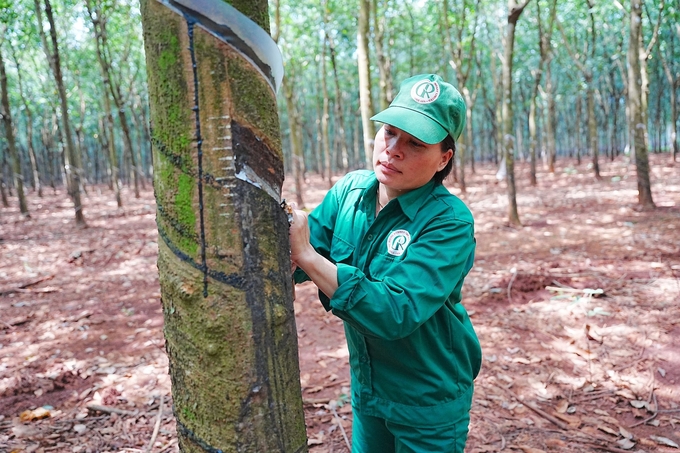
578 314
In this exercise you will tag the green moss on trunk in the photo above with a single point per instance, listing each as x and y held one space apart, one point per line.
223 246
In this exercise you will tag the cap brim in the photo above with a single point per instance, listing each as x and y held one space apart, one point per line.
415 123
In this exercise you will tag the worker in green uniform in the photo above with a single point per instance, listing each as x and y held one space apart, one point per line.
389 250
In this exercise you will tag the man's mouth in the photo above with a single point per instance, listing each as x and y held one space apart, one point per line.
389 167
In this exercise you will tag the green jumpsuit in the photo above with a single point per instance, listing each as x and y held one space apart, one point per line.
413 351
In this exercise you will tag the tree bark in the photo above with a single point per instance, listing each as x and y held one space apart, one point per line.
674 82
72 165
382 57
637 126
224 260
99 21
508 143
366 103
14 154
325 116
341 136
37 186
296 151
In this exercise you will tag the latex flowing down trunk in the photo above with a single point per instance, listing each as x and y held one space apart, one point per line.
224 261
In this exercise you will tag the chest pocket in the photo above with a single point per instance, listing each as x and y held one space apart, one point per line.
341 251
381 264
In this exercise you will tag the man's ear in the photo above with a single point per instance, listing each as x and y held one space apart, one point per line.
448 155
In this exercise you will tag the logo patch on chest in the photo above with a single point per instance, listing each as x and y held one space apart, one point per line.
397 242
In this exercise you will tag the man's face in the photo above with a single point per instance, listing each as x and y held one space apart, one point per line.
402 162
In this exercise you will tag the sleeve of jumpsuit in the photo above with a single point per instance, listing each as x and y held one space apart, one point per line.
412 291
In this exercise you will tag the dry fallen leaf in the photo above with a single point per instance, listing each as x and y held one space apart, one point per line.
664 441
531 450
37 414
625 433
626 444
638 404
608 430
316 440
555 444
562 406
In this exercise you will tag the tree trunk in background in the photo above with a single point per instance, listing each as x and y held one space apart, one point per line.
637 126
14 154
590 94
117 95
674 82
37 186
223 256
325 115
365 100
592 125
579 145
72 165
533 142
550 120
382 57
296 150
514 12
341 136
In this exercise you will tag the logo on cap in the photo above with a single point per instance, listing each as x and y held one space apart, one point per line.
397 242
425 92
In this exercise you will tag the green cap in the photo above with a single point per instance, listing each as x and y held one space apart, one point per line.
427 108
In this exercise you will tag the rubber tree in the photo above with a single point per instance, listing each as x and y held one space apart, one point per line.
545 52
508 140
72 167
365 99
223 257
637 126
14 154
97 19
462 60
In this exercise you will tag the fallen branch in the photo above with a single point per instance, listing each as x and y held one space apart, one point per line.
588 291
156 427
4 292
606 448
540 412
339 422
648 419
109 410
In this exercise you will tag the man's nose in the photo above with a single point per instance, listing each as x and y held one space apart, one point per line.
394 148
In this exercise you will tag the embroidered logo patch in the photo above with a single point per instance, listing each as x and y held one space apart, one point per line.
397 242
425 92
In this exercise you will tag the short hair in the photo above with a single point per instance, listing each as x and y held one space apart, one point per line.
447 144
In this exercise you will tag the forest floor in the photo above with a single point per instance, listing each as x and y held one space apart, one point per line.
578 313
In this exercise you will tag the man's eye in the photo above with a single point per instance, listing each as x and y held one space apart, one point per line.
389 132
416 144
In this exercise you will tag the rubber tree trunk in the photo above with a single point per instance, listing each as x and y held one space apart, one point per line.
72 165
325 118
37 186
14 154
365 100
223 256
94 11
637 125
296 150
514 12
